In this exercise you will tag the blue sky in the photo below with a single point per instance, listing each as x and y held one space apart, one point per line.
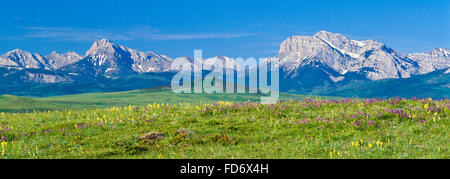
235 28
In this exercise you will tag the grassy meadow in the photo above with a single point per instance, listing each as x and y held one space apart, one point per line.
9 103
214 129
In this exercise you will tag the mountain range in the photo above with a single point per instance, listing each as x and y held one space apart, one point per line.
323 64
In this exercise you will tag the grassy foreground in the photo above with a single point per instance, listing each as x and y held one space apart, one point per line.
350 128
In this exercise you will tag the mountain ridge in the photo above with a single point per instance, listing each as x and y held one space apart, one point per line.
308 63
372 58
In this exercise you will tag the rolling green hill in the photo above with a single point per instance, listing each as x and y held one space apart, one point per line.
434 85
9 103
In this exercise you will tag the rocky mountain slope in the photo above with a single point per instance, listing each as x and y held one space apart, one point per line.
433 60
371 59
20 59
329 60
57 60
308 64
108 59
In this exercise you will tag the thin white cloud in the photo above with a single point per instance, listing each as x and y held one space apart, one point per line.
133 33
263 44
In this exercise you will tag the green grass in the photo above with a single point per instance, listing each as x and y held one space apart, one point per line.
10 103
291 129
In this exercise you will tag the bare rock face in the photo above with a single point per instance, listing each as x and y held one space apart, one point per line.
105 58
144 62
105 48
299 49
347 46
23 59
141 62
57 60
44 78
436 59
152 136
343 55
109 59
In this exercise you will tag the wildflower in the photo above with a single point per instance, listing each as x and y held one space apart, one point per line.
370 145
3 144
379 144
425 106
331 154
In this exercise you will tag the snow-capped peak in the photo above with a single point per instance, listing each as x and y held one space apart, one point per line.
24 59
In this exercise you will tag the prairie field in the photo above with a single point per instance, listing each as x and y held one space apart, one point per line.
293 129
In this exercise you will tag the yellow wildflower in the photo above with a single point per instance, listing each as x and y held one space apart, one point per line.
3 144
380 144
